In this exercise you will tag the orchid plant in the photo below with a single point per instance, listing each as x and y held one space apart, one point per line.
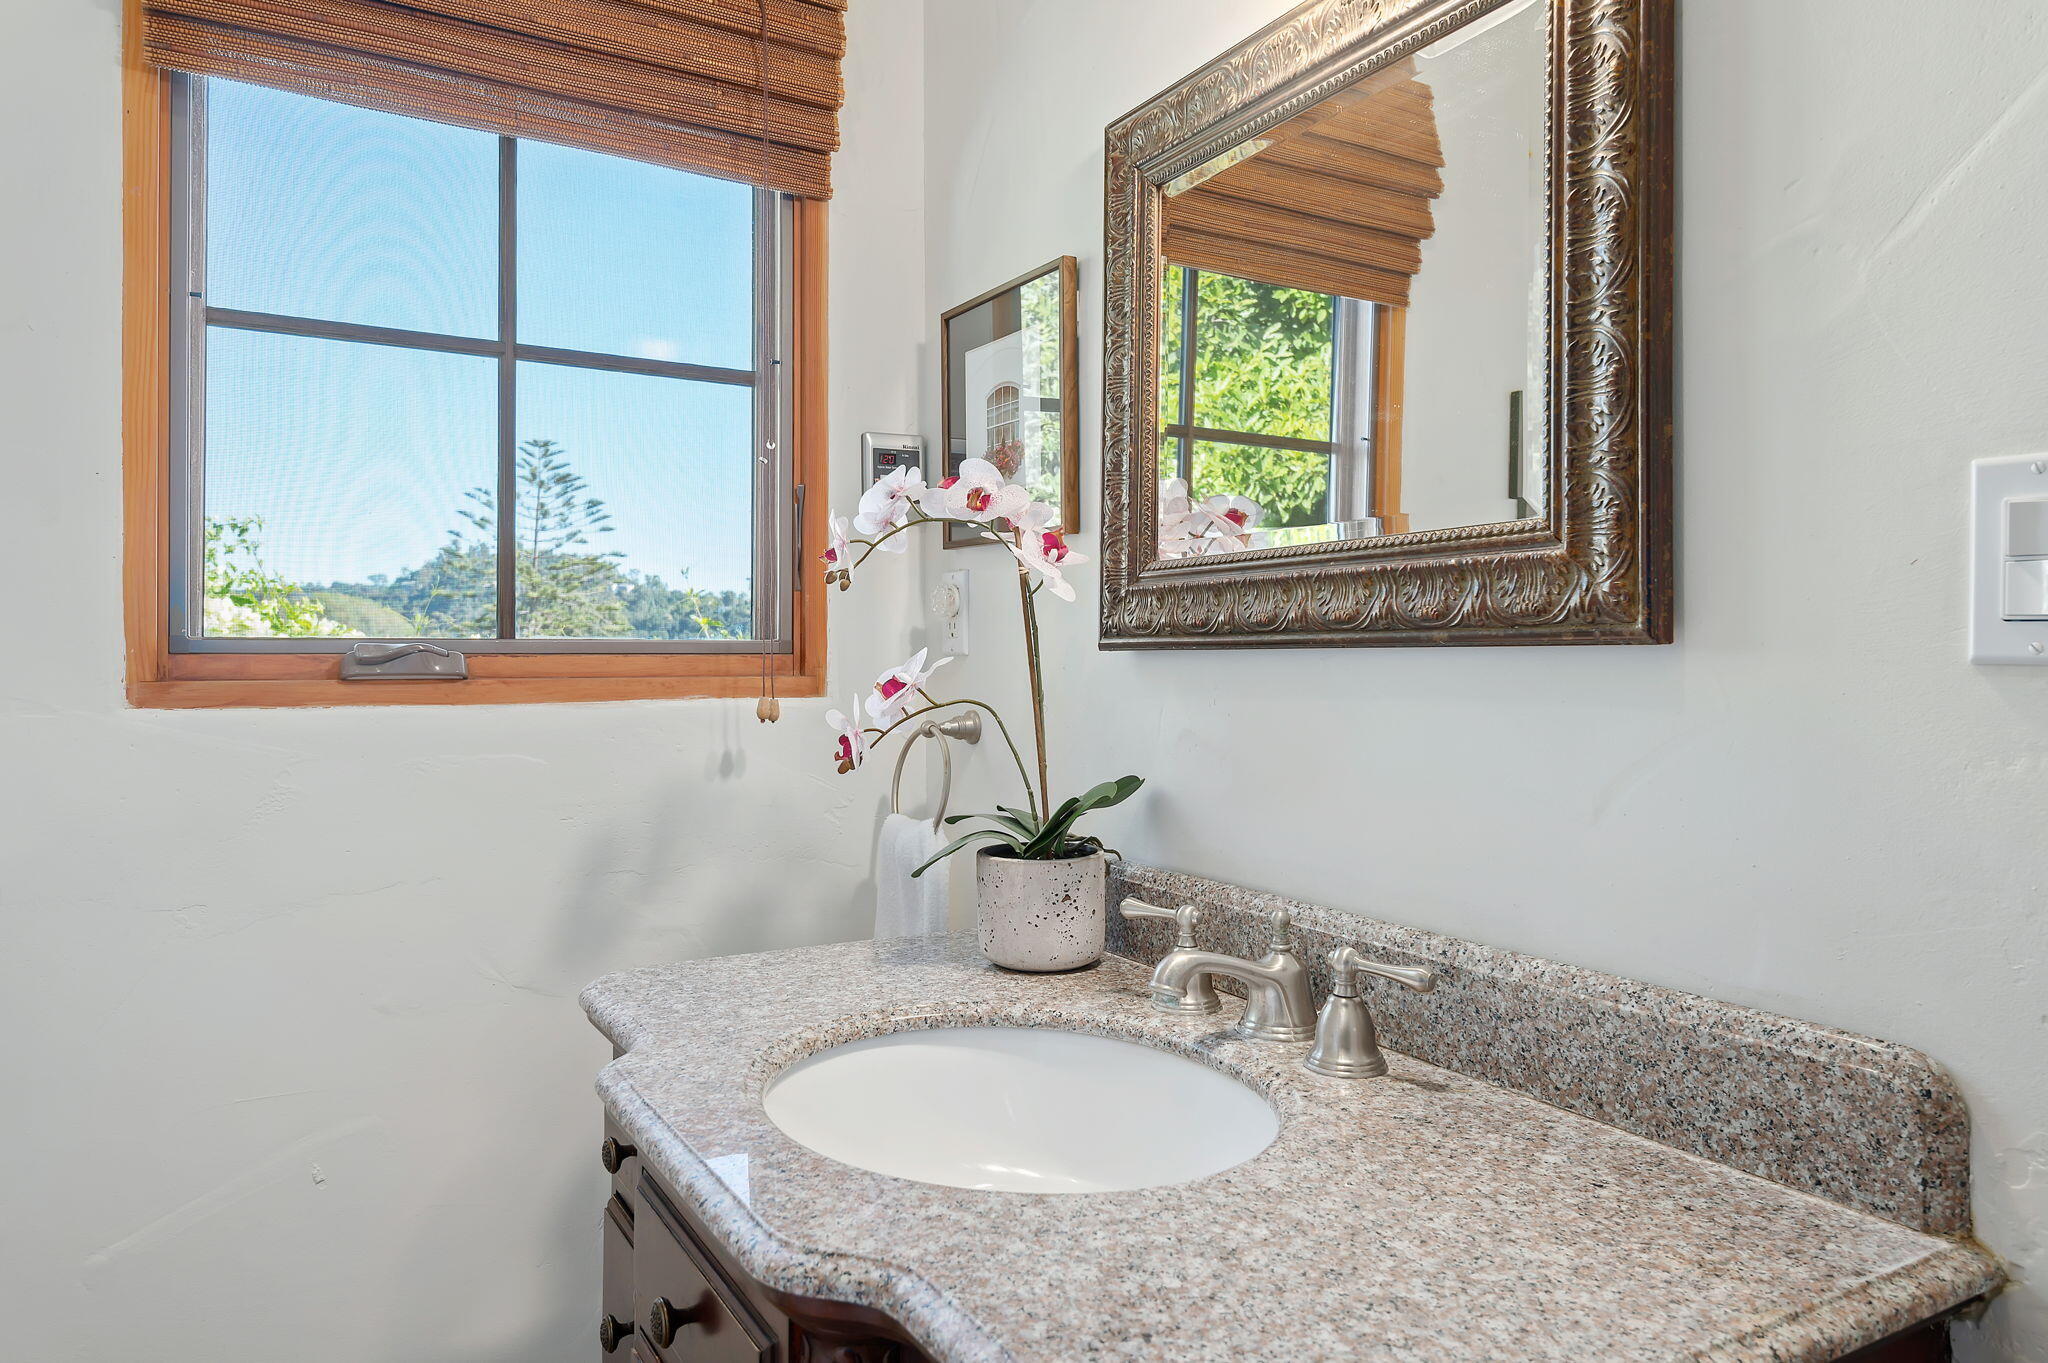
1223 524
982 501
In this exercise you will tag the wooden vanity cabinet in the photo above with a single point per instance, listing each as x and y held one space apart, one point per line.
671 1295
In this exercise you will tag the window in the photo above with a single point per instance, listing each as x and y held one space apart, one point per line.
1294 404
447 384
551 407
1005 448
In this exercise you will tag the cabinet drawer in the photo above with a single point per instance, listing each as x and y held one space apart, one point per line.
675 1285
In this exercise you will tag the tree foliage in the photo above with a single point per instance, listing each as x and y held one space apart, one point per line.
245 599
568 587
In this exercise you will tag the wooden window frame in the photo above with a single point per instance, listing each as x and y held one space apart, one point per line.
157 678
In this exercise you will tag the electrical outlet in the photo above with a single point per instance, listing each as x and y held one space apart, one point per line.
949 603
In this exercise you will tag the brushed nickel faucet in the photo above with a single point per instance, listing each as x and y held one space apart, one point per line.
1277 1005
1347 1044
1198 996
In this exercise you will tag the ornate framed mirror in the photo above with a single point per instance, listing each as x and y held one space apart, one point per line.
1387 333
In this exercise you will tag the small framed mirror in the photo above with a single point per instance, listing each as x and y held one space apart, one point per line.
1009 379
1387 333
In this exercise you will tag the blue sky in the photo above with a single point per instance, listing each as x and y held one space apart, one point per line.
357 456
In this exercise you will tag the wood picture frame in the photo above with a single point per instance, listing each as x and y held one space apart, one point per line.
945 457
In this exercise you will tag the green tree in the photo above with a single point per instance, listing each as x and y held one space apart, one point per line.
659 611
244 598
1264 357
567 587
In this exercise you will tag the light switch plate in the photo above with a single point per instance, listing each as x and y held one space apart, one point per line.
1995 530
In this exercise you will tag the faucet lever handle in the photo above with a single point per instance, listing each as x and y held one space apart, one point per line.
1347 1043
1184 918
1347 963
1280 930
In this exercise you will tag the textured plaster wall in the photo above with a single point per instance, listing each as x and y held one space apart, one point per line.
1811 803
294 1065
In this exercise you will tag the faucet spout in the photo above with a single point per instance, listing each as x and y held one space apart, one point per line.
1277 1006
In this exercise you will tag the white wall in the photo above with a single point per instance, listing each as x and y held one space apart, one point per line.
294 1064
1811 803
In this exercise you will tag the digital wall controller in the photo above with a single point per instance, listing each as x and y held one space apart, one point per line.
882 453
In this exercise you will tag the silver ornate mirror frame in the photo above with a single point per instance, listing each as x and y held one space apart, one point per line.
1596 568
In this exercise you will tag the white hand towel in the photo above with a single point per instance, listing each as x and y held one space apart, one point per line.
906 907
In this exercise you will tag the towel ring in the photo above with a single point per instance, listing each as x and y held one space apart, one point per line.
966 728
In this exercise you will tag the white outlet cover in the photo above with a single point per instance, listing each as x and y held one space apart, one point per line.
1993 638
949 603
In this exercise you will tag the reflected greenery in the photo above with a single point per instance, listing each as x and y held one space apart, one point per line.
1263 360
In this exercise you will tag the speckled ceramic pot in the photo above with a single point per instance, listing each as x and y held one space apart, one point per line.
1041 915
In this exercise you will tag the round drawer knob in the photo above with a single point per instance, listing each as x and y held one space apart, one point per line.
615 1153
664 1318
612 1332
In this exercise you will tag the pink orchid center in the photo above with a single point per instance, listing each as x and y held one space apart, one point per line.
830 556
979 498
892 687
1053 545
845 748
1236 517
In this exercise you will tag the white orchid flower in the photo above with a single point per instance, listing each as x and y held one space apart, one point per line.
853 740
836 543
1228 521
979 492
896 690
887 505
1042 547
1180 525
838 555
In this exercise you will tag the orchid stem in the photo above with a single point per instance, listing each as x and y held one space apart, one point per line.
1037 684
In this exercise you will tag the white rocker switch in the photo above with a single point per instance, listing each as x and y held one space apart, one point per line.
2026 527
2026 589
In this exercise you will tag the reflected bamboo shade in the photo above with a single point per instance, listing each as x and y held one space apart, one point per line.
1337 199
744 89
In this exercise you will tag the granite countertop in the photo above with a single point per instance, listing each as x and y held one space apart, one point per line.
1424 1215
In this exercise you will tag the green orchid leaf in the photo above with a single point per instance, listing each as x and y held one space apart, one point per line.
1112 792
1023 816
1023 830
1003 820
1054 832
963 841
1054 836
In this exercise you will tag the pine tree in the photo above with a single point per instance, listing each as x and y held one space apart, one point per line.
567 587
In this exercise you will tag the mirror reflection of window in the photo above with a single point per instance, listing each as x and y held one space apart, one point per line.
1002 447
1362 325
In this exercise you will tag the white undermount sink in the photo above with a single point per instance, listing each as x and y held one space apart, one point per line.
1020 1109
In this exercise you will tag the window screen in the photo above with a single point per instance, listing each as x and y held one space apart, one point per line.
445 384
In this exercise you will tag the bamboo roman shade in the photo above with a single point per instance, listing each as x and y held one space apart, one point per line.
744 89
1335 200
